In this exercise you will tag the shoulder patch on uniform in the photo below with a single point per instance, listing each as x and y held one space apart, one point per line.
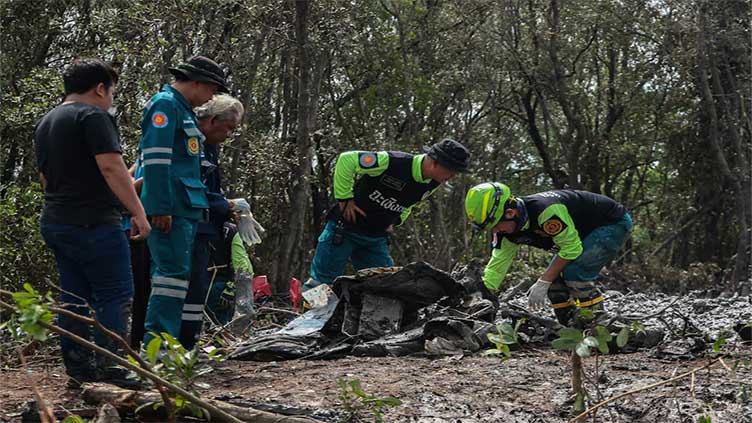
159 120
193 145
368 160
553 226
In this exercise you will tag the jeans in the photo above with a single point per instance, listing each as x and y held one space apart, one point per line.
578 279
330 260
95 267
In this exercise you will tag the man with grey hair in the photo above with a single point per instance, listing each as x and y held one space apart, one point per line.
217 120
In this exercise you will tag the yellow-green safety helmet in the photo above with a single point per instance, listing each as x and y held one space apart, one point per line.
484 204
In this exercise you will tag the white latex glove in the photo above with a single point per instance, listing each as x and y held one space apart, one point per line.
537 295
249 229
241 205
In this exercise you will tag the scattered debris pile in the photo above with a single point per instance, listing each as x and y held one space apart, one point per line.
420 309
377 312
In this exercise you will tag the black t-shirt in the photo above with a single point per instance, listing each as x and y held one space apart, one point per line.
66 141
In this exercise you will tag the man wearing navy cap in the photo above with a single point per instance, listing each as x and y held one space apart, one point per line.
173 195
390 184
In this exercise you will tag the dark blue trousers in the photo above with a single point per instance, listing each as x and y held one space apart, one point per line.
95 267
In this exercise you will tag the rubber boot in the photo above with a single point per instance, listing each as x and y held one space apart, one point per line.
565 315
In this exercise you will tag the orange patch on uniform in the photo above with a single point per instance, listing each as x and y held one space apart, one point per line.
367 160
553 227
159 120
193 146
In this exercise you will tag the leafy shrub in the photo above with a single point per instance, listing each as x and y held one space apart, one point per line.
24 257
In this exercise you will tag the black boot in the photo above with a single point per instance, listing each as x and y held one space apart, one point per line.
565 315
80 367
109 372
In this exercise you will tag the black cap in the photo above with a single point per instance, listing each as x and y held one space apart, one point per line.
203 69
450 154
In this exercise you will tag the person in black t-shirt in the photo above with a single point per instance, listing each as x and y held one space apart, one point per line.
585 229
85 182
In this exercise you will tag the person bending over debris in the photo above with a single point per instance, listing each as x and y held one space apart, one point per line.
586 230
85 182
391 183
173 195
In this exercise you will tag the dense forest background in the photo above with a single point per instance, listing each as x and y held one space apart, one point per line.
645 101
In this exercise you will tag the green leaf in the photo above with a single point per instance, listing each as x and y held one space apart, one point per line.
603 333
586 314
494 338
152 350
508 339
638 327
603 347
564 343
73 418
604 337
506 328
718 344
570 333
391 401
704 419
132 360
622 337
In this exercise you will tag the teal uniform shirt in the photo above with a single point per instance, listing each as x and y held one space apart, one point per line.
170 153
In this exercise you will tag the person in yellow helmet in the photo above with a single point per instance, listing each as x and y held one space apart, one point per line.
584 229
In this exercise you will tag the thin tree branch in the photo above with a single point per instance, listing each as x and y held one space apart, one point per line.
644 388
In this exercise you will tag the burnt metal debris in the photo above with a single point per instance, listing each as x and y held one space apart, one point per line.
420 309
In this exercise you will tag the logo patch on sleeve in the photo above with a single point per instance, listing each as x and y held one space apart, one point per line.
553 226
159 120
367 160
193 146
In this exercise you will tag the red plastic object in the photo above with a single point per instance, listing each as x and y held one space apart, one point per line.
261 288
295 293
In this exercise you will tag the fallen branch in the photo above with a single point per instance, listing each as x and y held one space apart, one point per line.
45 412
634 391
125 363
112 335
125 346
125 400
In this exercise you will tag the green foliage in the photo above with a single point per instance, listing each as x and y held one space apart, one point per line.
505 336
720 342
171 361
355 401
74 418
401 74
32 309
583 342
23 254
704 419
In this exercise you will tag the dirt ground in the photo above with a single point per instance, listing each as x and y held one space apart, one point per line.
533 386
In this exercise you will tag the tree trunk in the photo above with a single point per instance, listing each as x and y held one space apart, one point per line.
705 66
309 78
